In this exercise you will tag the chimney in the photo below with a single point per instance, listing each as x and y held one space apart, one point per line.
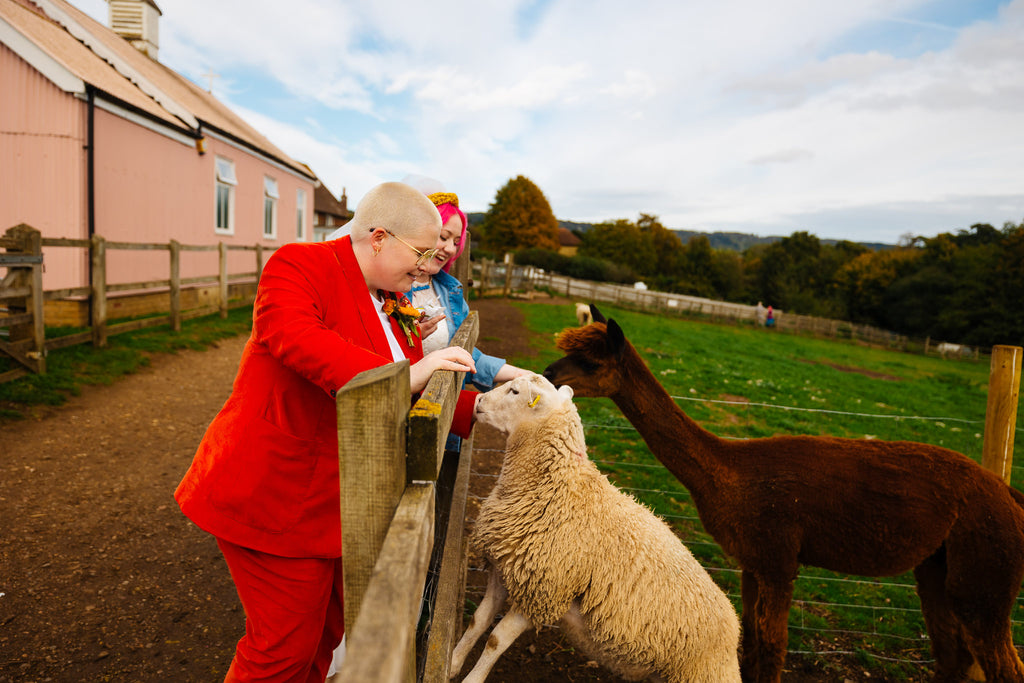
138 22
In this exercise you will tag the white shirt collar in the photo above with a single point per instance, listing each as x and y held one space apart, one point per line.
385 322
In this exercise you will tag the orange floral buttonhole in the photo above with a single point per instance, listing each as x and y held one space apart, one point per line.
401 309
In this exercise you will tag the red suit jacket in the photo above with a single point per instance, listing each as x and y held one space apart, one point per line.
265 475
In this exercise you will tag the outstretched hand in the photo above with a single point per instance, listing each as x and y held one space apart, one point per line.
449 358
428 325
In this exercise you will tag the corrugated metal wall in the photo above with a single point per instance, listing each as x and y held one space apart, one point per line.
42 162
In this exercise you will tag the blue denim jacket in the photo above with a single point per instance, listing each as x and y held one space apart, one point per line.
449 291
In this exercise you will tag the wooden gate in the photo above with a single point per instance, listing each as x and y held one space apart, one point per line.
21 301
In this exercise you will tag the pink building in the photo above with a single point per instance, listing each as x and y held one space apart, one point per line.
98 137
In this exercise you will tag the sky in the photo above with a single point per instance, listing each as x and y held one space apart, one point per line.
868 121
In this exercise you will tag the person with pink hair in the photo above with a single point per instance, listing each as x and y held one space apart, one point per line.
439 294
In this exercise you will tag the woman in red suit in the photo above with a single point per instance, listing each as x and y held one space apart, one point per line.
264 480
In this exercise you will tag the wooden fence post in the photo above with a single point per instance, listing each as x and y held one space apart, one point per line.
222 248
175 252
431 417
99 291
462 269
509 263
26 339
372 413
1001 412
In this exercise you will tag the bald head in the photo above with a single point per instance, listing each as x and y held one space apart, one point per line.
397 207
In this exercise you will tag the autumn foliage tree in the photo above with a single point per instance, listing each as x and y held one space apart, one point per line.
520 217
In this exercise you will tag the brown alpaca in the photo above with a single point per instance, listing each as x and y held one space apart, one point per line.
875 508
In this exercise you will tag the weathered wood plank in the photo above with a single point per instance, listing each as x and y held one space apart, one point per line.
431 417
1001 410
150 284
372 409
446 624
381 644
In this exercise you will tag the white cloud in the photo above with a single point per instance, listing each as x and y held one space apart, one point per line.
740 114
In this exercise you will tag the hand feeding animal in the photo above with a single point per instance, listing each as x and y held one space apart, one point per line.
869 507
564 546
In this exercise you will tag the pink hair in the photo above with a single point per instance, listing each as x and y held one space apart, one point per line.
447 210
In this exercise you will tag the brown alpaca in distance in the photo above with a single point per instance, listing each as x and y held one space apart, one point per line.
868 507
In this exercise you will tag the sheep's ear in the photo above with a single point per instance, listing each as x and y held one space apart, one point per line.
616 339
596 314
565 391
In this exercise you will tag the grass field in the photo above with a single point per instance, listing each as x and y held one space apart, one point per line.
748 382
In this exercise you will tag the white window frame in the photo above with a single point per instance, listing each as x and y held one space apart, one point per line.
300 215
226 180
270 199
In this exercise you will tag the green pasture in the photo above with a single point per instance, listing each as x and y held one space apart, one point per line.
875 622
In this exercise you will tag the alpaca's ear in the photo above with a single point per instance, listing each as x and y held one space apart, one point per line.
597 315
616 339
565 391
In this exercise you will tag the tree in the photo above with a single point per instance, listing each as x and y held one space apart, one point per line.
520 217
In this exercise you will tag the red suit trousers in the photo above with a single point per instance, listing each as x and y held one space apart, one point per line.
293 615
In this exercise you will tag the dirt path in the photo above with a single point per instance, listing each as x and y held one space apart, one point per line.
103 579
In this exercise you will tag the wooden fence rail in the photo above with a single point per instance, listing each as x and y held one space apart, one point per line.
22 297
507 278
403 502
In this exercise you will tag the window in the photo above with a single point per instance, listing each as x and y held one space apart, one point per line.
300 215
270 198
226 183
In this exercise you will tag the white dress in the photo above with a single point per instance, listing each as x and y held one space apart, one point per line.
424 297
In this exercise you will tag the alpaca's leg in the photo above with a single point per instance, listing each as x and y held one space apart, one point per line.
511 626
748 632
773 600
952 658
494 600
982 586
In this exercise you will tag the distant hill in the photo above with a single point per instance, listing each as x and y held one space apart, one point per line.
734 241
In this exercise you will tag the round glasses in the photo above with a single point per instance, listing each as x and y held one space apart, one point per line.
424 256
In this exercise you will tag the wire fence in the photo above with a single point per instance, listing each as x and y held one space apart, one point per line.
919 646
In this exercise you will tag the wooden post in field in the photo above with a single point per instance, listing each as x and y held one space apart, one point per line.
485 275
372 412
1000 423
99 291
222 248
1001 413
510 262
176 285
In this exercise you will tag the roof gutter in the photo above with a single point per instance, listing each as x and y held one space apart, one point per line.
90 174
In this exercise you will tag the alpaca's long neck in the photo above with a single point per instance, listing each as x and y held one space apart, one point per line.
693 454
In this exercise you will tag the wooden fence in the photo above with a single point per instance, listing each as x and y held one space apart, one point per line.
403 505
508 279
22 299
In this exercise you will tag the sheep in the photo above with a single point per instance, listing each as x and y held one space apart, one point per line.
946 348
564 546
583 316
